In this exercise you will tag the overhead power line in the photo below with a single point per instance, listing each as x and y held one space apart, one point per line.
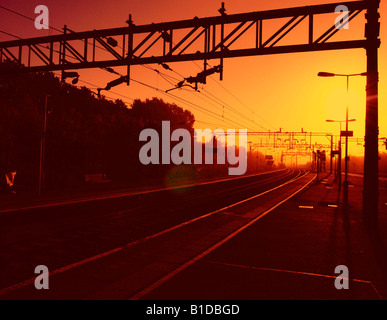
26 17
199 78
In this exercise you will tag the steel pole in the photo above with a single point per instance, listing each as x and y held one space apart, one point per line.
371 152
42 149
345 185
331 159
340 160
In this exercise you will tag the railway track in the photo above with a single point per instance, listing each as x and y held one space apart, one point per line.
73 238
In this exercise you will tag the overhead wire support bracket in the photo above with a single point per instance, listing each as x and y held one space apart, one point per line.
201 77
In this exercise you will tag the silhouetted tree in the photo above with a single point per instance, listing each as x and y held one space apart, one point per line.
85 134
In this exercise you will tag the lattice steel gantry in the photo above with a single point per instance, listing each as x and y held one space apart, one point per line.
195 39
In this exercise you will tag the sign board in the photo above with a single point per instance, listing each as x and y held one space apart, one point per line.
335 152
347 133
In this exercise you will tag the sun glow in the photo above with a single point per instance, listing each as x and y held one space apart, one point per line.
338 99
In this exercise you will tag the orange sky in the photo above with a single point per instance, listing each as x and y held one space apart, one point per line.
278 91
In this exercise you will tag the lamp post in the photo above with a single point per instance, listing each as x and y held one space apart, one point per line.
330 158
251 154
345 186
42 149
250 142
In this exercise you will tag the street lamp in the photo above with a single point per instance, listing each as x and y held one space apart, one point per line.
350 120
345 189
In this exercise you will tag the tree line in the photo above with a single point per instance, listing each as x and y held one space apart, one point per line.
84 133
